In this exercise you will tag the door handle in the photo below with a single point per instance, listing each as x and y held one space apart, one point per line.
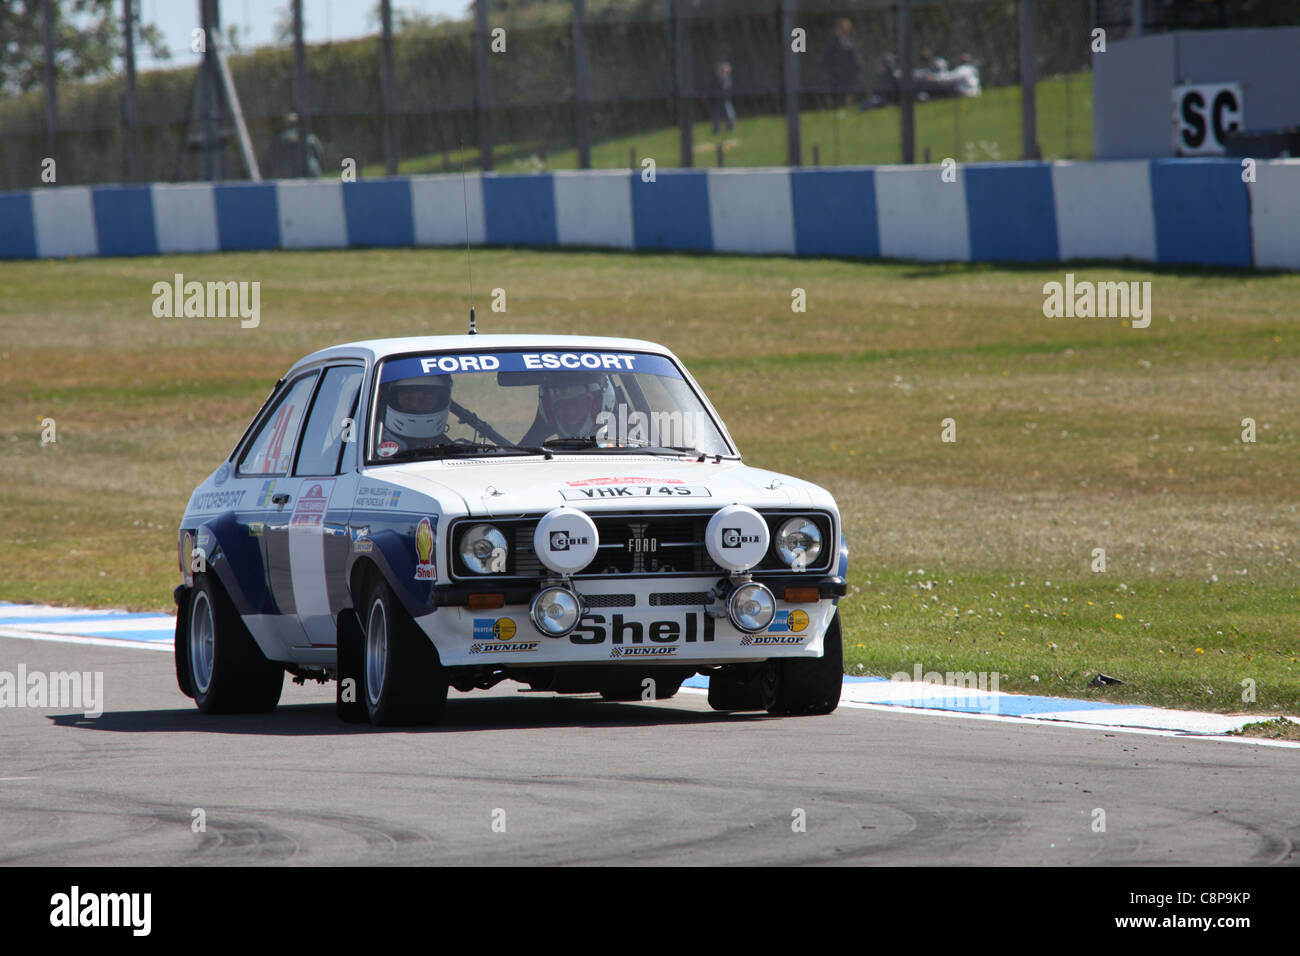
280 499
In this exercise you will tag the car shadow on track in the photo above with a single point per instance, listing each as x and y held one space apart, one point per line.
461 716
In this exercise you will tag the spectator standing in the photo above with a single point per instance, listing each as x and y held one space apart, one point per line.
968 76
280 161
721 107
886 90
842 64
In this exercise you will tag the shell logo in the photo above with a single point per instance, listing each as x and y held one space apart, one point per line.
424 569
424 540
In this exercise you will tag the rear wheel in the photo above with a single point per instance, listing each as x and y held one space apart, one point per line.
181 642
403 681
812 686
226 669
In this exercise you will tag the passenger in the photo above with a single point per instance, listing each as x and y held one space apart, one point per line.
415 414
569 405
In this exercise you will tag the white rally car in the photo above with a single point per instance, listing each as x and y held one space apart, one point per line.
407 515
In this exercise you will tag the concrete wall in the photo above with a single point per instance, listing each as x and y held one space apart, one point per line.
1161 211
1133 82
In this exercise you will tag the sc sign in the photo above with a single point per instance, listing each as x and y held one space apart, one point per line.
1204 115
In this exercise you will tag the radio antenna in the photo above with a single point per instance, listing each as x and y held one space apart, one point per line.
464 195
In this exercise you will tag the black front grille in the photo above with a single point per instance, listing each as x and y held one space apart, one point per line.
680 598
526 562
647 544
609 600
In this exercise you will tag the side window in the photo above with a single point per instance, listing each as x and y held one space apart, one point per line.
271 449
331 423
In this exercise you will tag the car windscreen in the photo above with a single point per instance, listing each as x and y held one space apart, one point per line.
442 404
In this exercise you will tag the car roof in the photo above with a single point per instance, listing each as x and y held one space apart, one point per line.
376 349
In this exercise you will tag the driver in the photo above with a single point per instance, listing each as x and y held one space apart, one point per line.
570 404
415 413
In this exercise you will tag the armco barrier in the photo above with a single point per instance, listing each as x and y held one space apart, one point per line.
1159 211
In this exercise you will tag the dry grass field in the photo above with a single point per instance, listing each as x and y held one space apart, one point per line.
1072 434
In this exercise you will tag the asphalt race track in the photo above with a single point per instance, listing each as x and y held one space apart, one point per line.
576 780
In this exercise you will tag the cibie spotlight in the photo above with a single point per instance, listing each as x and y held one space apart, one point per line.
751 607
555 611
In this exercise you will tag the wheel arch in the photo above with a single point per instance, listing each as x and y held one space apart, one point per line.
363 571
238 567
391 558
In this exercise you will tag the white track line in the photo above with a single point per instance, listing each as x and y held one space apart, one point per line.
1054 721
20 634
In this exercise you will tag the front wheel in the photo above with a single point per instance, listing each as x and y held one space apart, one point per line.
812 686
403 681
744 687
349 697
226 670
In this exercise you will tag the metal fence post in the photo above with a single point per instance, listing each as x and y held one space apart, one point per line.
790 80
906 106
387 86
1028 81
51 85
130 106
482 85
300 86
210 14
581 84
685 85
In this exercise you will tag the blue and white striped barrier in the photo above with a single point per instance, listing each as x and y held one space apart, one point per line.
1156 211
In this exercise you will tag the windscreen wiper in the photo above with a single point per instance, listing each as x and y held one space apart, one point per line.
571 444
590 443
679 450
453 450
587 442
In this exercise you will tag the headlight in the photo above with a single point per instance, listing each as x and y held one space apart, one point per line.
555 611
483 549
799 542
751 607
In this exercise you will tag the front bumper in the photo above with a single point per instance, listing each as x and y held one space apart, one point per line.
628 620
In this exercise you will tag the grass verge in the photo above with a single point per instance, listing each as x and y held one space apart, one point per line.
1072 435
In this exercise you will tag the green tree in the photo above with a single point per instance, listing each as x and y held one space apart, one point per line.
88 42
282 28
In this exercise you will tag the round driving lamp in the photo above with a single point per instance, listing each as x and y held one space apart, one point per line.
555 611
751 607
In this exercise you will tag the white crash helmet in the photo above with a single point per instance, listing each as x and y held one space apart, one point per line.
417 407
572 403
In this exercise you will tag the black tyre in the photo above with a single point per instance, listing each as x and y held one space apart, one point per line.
227 671
349 699
812 687
632 688
403 680
181 643
748 687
